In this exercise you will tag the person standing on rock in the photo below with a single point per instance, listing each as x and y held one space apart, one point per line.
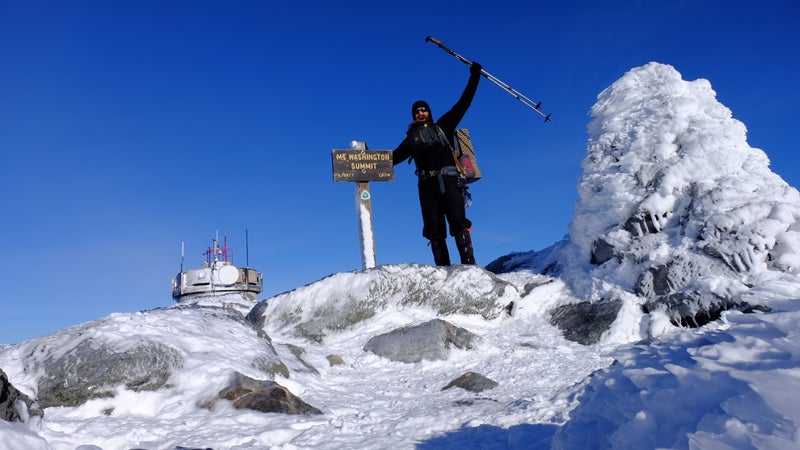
441 195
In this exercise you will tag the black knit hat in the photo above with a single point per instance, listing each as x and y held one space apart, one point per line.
418 104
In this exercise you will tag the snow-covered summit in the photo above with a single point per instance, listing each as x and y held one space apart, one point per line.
678 221
376 351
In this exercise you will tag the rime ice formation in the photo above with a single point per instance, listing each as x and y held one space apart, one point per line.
676 212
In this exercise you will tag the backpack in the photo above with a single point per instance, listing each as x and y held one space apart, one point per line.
464 156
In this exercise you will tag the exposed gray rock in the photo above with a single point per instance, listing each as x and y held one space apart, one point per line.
546 261
694 309
92 370
270 364
314 329
681 271
335 360
431 340
673 289
301 364
256 318
264 396
473 382
644 222
14 405
510 263
585 322
602 252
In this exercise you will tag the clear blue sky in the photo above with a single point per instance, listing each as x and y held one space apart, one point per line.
127 127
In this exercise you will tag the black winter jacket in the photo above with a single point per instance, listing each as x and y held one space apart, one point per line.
438 156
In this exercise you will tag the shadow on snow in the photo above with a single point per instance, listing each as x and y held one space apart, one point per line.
490 437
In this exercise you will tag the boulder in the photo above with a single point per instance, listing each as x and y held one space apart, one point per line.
91 370
335 360
431 340
14 405
141 352
585 322
473 382
344 300
264 396
676 288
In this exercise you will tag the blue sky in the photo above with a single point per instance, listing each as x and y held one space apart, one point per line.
128 127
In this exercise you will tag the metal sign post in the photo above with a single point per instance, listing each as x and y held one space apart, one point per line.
362 166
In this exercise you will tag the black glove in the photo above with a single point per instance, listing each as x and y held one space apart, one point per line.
475 68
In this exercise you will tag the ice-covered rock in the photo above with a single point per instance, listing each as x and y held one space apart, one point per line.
128 351
674 206
342 300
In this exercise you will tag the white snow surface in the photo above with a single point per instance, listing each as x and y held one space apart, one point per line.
731 384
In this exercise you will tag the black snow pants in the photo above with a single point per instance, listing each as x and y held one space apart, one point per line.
441 208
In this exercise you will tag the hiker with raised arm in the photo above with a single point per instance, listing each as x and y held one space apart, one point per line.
441 195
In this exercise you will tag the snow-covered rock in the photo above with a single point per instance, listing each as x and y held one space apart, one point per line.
674 207
101 358
343 300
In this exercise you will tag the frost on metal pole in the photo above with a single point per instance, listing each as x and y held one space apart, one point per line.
362 166
517 94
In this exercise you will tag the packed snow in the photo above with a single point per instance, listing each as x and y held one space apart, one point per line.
668 177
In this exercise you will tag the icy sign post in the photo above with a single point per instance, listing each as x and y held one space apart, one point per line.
362 166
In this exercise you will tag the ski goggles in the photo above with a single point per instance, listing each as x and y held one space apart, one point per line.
420 109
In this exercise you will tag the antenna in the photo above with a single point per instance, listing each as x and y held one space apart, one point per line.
246 248
216 245
182 242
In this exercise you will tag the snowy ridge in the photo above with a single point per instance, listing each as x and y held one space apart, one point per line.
678 219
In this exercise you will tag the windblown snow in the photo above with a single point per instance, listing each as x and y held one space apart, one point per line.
679 276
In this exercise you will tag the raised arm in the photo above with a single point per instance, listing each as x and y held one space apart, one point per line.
450 120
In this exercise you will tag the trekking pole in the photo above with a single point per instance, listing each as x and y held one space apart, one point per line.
517 94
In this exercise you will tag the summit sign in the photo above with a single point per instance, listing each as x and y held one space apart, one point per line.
362 165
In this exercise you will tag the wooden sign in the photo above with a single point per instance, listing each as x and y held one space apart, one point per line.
362 165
